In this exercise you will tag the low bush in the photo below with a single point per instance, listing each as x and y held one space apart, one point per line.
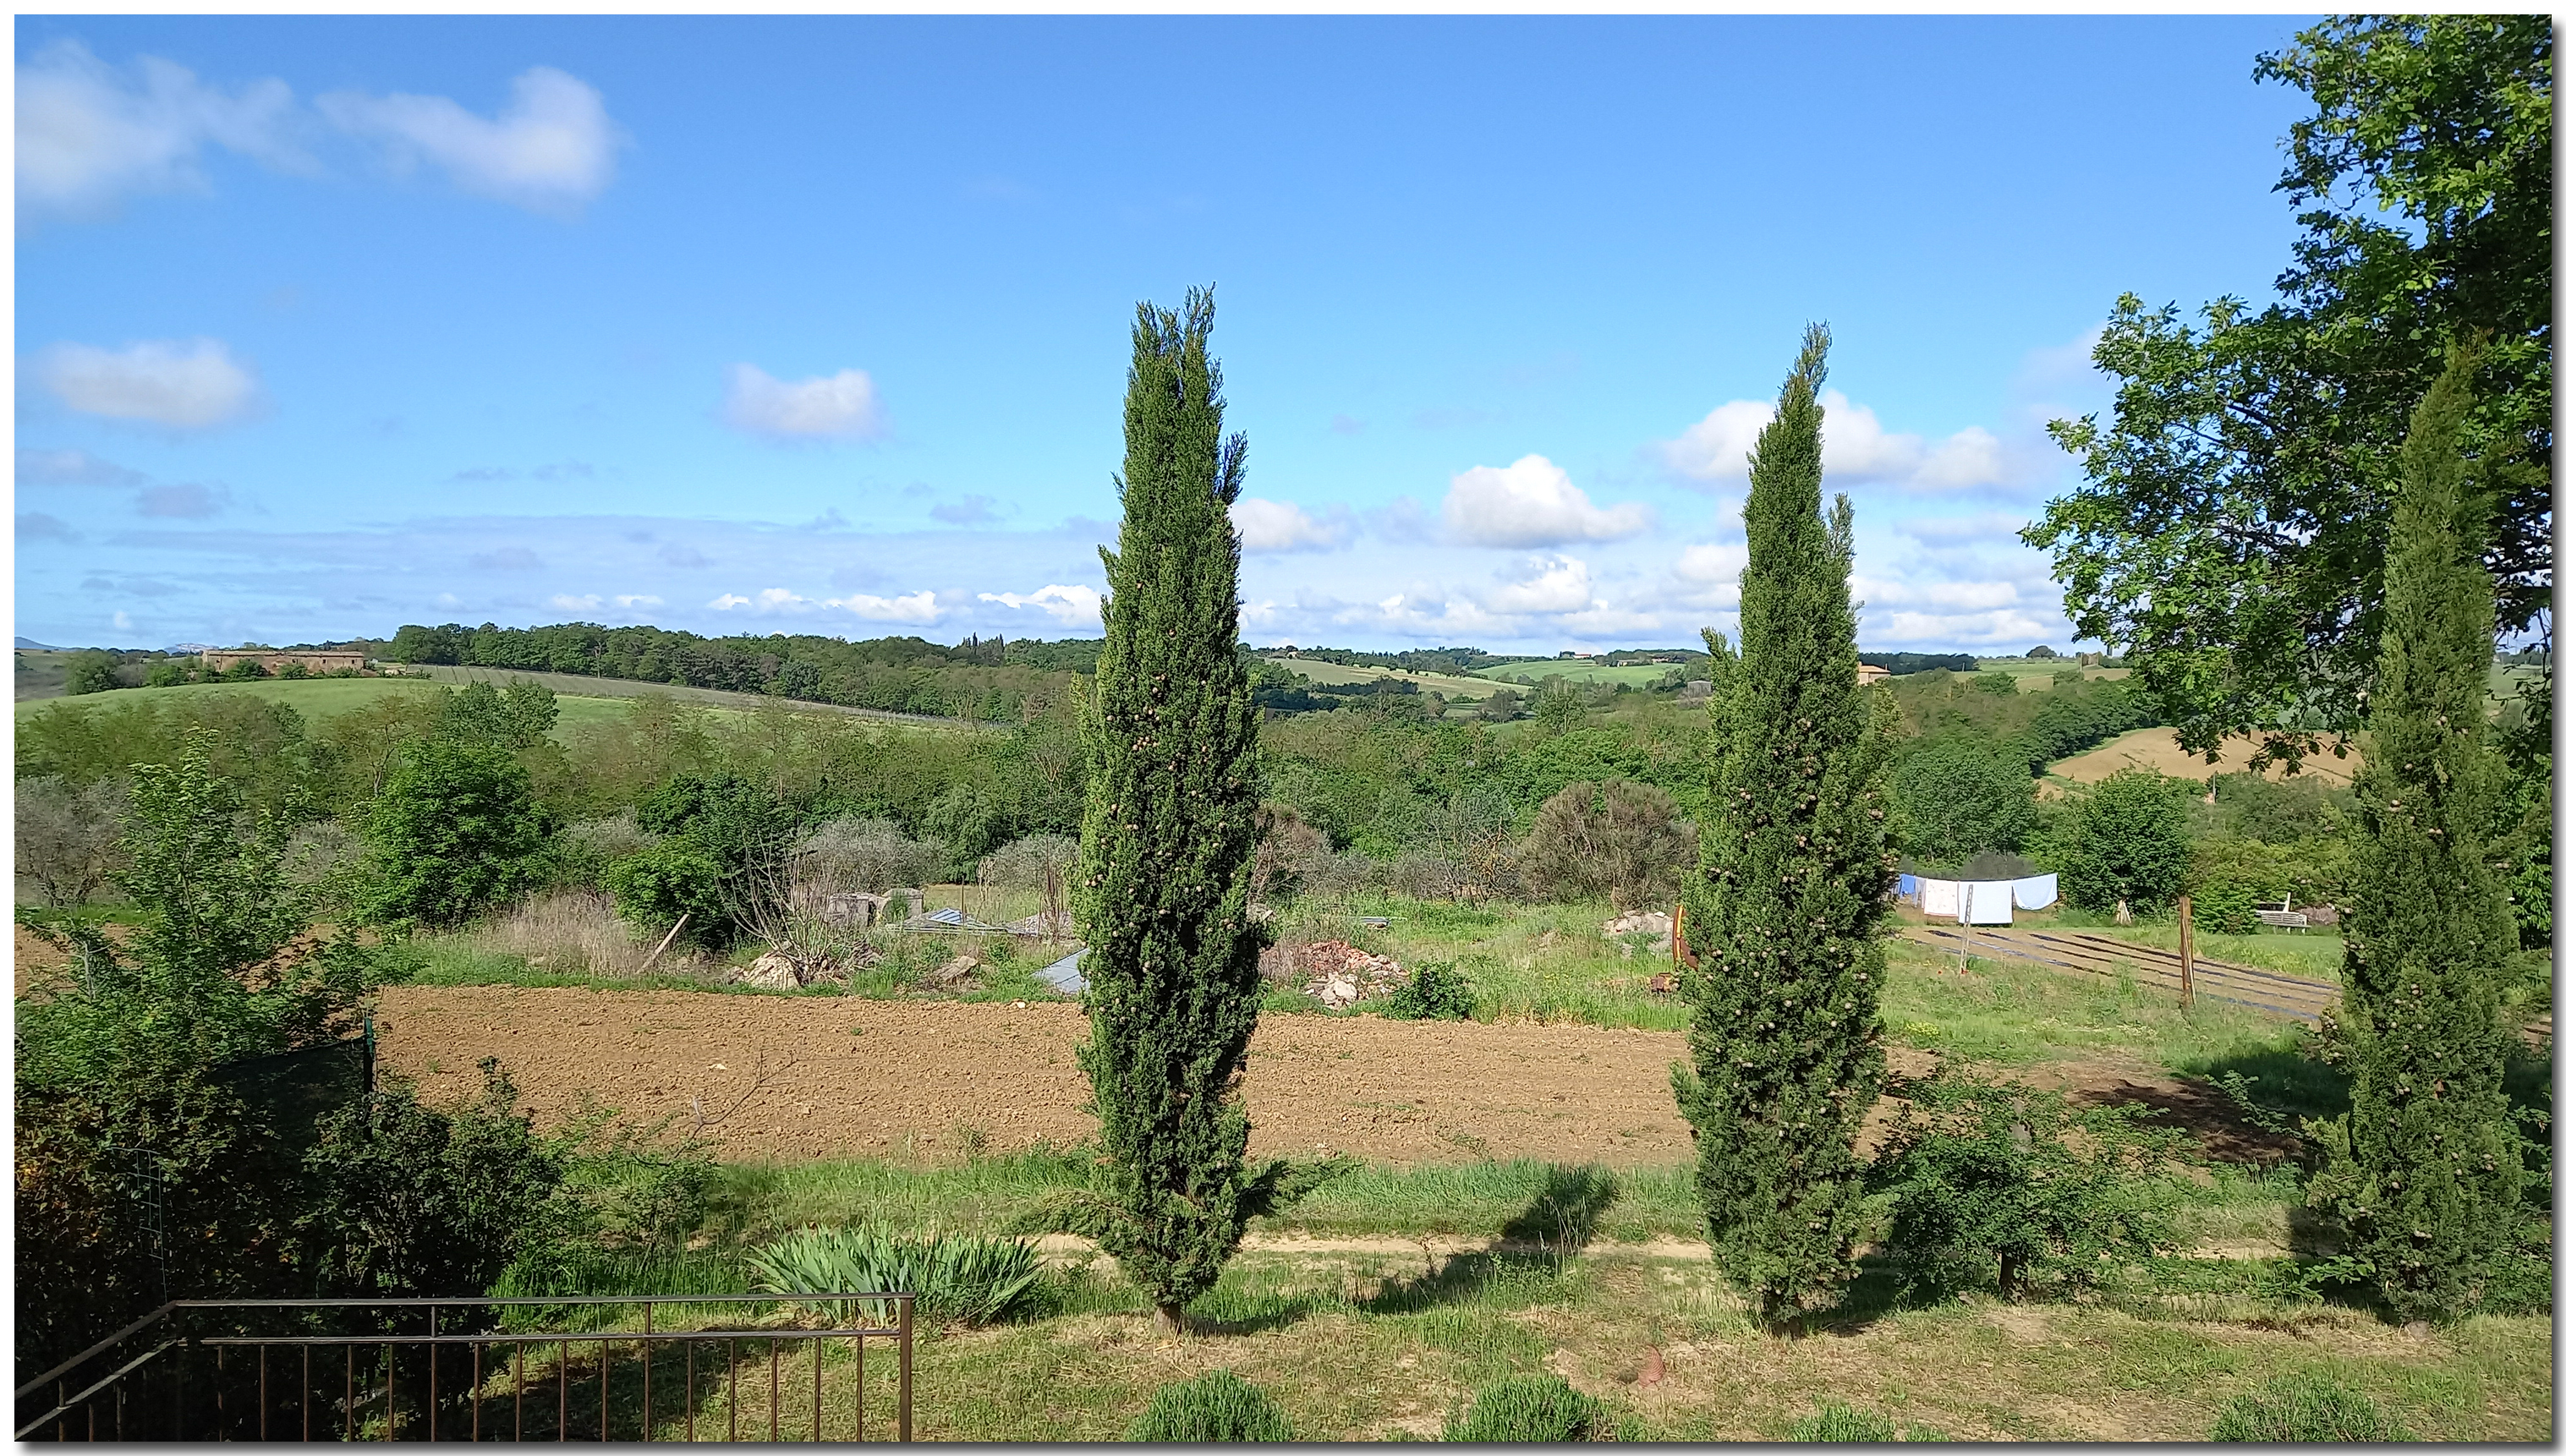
670 882
1437 991
1863 1427
2305 1407
1542 1408
1216 1407
2003 1186
961 1279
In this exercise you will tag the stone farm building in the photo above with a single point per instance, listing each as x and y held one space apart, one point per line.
1865 674
314 659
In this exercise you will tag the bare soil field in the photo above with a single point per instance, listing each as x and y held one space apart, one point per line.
791 1078
2155 748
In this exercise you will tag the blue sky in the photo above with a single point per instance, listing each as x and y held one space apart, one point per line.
820 325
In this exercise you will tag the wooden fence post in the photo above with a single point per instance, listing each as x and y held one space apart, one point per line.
2183 920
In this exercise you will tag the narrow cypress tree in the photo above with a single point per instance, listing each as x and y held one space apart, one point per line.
2426 1169
1793 886
1165 844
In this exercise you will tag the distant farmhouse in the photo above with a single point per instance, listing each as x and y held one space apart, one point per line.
315 660
1865 674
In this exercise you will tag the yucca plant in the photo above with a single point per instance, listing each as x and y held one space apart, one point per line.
962 1279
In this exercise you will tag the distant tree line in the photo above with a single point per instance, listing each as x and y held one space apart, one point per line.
989 679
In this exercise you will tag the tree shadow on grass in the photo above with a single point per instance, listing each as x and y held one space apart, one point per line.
1533 1247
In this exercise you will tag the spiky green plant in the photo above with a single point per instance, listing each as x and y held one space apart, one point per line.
1792 889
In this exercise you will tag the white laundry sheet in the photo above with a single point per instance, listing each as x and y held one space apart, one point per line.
1987 901
1939 897
2038 893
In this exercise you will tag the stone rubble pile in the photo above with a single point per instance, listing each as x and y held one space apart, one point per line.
1339 974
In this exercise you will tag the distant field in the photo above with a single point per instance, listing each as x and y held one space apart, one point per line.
2155 748
316 698
1330 673
1526 673
567 684
2038 674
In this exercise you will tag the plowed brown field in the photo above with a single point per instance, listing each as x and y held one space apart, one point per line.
824 1077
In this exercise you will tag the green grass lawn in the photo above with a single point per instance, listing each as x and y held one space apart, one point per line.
1636 674
1334 674
320 699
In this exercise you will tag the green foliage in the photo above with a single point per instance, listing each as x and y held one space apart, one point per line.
91 672
2233 520
1619 840
2425 1173
667 882
1165 847
1542 1408
969 822
1794 887
2305 1407
408 1200
1433 991
1997 1185
514 718
1213 1406
741 827
2126 839
456 830
247 669
1957 795
1844 1423
957 1279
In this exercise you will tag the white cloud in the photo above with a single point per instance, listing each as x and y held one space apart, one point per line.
1552 585
565 603
1953 532
1265 525
552 149
1073 605
73 467
630 603
123 622
190 385
1533 503
1712 562
825 406
89 132
1716 447
917 606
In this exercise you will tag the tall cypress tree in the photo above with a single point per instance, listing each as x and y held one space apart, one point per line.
1793 886
2426 1169
1165 844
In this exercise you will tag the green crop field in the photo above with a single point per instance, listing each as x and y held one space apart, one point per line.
2035 674
1330 673
316 699
1640 675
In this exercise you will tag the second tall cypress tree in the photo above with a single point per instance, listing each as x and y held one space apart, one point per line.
2426 1171
1165 847
1794 887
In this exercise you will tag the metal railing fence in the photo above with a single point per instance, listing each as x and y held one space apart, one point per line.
346 1370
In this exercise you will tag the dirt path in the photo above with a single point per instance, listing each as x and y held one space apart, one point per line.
802 1077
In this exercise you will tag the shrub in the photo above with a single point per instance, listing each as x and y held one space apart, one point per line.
1435 991
68 837
1844 1423
870 856
458 830
2000 1185
2305 1407
91 672
1617 839
1030 862
1957 795
1542 1408
963 1278
2123 841
1288 848
583 850
667 882
748 833
1216 1406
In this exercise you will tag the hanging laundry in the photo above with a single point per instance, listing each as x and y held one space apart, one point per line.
2038 893
1939 897
1906 887
1987 902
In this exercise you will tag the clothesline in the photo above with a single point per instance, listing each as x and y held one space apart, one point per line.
1979 901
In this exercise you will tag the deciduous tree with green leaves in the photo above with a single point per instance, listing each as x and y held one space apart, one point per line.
2232 527
1166 844
1794 883
2425 1172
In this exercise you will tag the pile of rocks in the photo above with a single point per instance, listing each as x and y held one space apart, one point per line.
1658 926
784 970
1339 974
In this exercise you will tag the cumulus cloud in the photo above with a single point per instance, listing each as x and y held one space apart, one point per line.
90 134
1549 584
917 606
550 150
1712 562
635 600
184 502
37 526
1533 503
1856 446
73 467
1265 525
568 603
189 384
1074 606
841 405
1949 532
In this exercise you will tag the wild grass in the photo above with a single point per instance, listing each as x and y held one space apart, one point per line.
578 931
